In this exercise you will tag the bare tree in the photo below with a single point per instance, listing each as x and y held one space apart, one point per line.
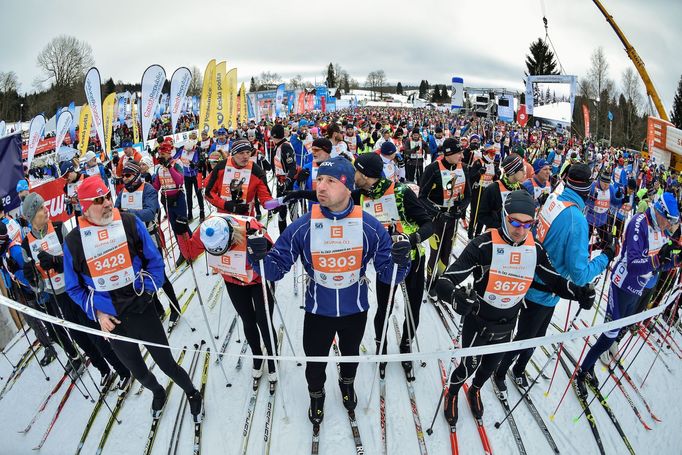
64 60
9 82
296 82
195 83
630 83
371 82
600 85
269 79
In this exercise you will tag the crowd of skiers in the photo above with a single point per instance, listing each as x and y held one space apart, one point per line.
542 215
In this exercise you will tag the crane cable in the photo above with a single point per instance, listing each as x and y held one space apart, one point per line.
548 39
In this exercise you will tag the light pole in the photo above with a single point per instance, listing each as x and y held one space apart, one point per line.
21 112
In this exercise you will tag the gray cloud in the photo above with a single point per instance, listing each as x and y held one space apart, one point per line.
483 41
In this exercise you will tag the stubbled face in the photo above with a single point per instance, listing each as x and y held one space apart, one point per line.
101 214
518 234
331 193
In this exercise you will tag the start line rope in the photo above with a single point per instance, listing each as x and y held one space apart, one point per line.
372 358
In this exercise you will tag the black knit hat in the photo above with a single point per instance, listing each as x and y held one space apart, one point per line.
132 167
241 145
277 132
370 165
579 179
519 201
512 164
451 146
323 143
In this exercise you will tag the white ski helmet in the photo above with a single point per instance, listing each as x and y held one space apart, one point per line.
216 234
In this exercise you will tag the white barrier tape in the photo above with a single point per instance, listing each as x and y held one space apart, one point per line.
373 358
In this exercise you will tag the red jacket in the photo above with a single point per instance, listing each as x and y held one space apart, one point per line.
257 187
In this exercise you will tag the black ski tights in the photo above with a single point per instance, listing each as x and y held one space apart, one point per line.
142 322
248 301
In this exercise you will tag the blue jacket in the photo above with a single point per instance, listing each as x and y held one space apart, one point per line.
150 204
566 245
433 146
295 242
102 173
186 170
550 160
620 176
599 219
79 283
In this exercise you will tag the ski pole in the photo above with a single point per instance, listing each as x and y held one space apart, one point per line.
434 268
14 367
203 312
281 317
271 334
389 307
409 318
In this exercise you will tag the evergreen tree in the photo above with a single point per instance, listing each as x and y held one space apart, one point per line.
331 76
109 87
435 96
444 96
399 88
676 113
541 59
252 86
422 89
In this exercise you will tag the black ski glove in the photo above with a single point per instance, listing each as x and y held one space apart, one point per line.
50 262
463 301
257 248
400 251
619 193
181 226
12 265
445 217
299 194
238 208
585 296
30 274
302 175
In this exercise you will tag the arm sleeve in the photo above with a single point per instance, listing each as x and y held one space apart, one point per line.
150 205
465 264
581 270
426 182
489 199
380 242
178 177
637 239
544 270
155 266
77 292
212 189
284 252
416 212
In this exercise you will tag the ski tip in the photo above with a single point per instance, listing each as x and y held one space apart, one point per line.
551 417
497 425
575 419
546 394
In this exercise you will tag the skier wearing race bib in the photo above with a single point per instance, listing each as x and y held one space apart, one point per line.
394 165
598 204
645 251
44 270
235 183
482 173
284 164
444 185
396 206
223 237
503 261
188 156
112 271
335 241
73 179
142 200
416 150
492 200
90 166
538 185
563 233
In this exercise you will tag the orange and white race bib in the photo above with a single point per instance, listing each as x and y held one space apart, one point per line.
336 248
50 244
13 231
453 182
106 253
166 179
233 262
511 272
241 176
132 200
552 208
602 201
384 209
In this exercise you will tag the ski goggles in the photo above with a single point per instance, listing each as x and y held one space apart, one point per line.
524 224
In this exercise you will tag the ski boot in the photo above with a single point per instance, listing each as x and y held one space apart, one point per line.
520 379
382 370
106 378
500 383
174 319
350 400
202 217
450 406
124 382
407 364
272 377
74 368
585 378
611 354
181 260
158 403
433 296
257 372
196 406
316 410
475 401
48 358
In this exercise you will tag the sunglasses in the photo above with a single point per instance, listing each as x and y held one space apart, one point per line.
516 223
99 200
127 176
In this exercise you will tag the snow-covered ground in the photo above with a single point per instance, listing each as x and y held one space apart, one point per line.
226 407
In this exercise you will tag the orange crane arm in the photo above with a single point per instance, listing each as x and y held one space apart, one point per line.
636 59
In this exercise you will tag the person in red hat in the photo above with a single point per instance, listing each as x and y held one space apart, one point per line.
112 270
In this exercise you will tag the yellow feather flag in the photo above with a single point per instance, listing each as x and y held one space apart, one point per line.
133 114
218 117
108 115
84 126
206 99
243 115
231 85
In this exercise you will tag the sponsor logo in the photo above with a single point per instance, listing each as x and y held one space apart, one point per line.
226 260
323 276
44 246
492 297
103 234
515 258
336 232
113 278
505 300
88 233
378 207
500 251
338 278
100 281
318 225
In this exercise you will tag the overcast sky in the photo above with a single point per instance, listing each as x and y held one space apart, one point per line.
483 41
